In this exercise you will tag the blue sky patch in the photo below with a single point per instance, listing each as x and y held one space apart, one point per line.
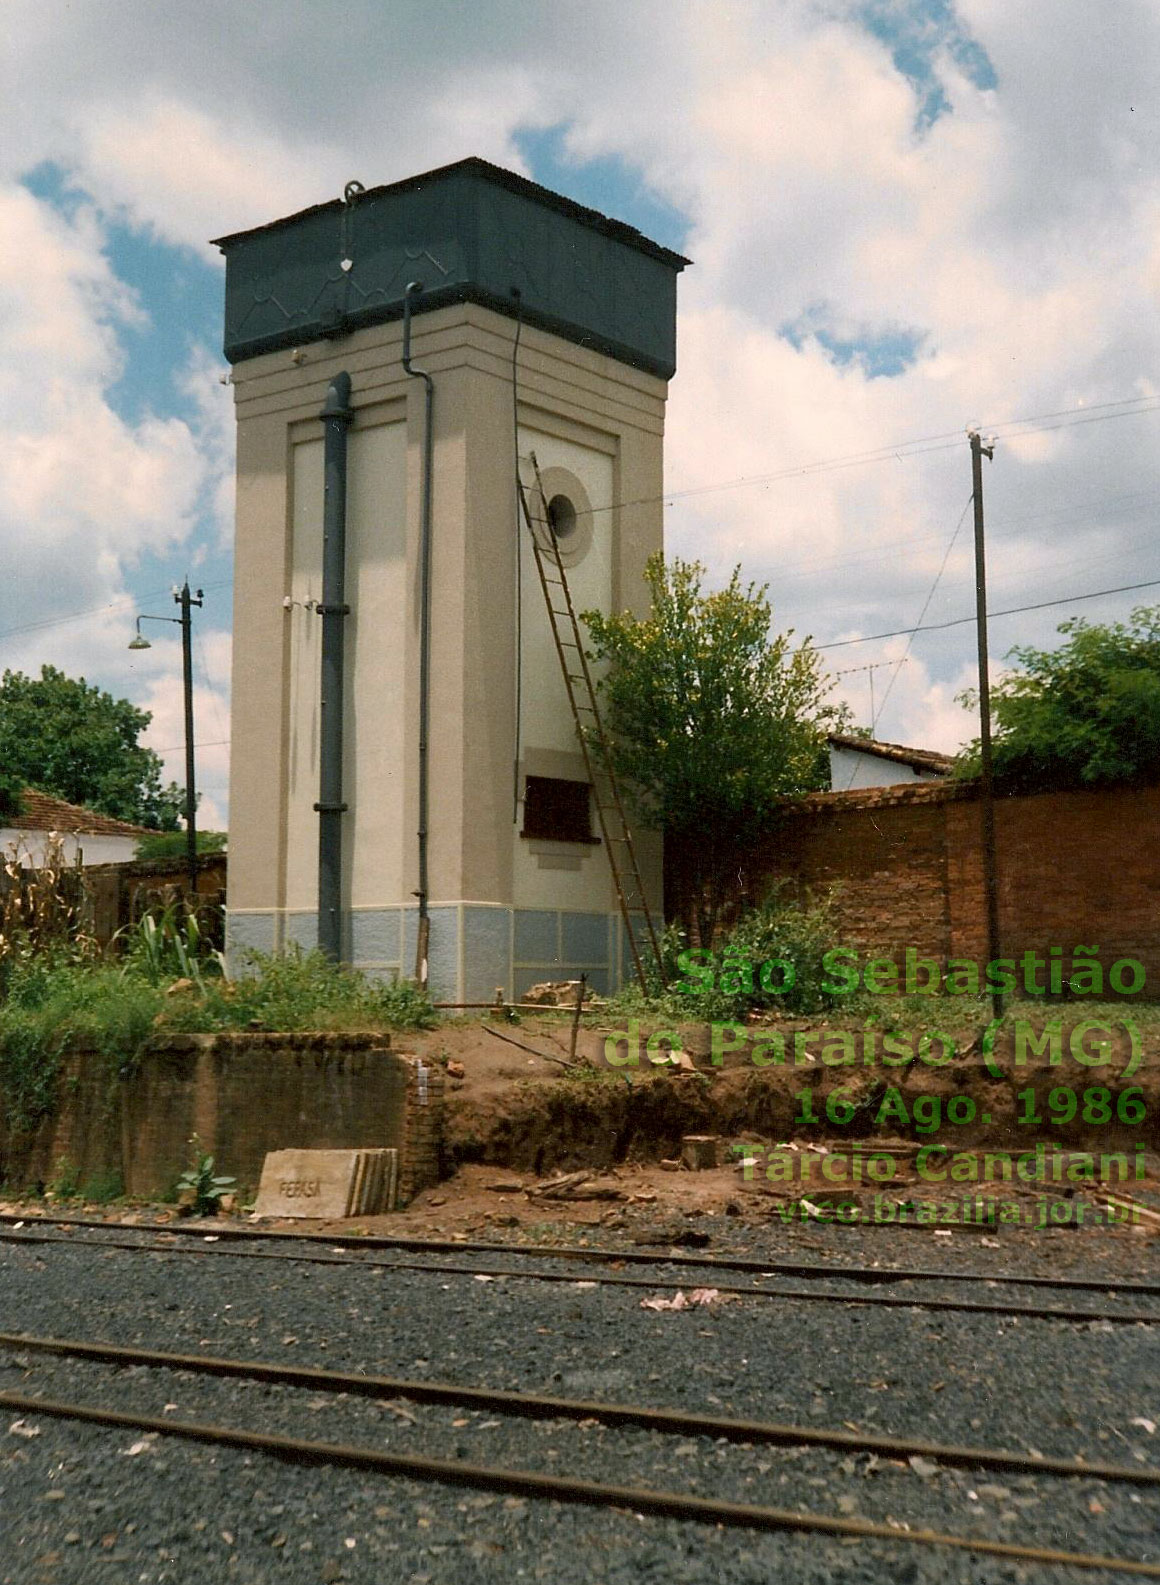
182 296
880 353
916 32
608 184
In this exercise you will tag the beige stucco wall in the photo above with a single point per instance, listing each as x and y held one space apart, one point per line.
580 411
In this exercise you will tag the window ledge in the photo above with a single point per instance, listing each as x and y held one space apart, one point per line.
555 844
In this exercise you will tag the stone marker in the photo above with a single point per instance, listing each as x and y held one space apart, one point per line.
699 1151
327 1184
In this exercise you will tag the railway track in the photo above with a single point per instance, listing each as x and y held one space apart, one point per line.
534 1484
706 1270
585 1254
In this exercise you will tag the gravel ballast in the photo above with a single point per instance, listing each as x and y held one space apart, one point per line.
80 1505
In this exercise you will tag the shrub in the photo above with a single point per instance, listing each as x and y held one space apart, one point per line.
725 984
170 944
305 990
48 1008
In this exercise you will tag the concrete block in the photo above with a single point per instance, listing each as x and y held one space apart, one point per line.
327 1185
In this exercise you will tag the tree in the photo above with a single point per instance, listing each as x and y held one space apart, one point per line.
172 844
711 718
1084 715
68 738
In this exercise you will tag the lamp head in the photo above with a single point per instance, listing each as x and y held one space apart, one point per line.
139 641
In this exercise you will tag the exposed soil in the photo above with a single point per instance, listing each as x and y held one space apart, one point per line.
517 1114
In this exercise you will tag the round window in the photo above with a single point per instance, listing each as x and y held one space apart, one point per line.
562 516
563 523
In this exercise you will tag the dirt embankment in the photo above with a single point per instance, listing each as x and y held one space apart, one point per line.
534 1116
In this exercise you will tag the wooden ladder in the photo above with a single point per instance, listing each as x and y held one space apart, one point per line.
639 927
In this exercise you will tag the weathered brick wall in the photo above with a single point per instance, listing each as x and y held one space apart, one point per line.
1075 868
243 1095
886 863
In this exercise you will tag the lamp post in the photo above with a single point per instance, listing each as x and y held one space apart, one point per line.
186 601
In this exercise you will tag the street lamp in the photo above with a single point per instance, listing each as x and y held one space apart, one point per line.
186 601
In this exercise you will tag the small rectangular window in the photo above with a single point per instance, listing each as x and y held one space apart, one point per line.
556 810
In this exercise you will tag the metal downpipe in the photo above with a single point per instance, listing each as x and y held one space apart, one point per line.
336 416
424 930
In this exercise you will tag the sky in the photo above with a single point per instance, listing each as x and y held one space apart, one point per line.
906 218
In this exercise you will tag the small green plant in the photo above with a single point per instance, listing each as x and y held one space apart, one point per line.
67 1181
170 945
103 1186
199 1181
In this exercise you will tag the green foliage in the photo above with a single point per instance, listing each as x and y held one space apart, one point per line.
304 990
1084 715
50 1006
11 793
726 984
200 1181
712 717
66 1182
171 844
71 739
170 945
104 1186
785 931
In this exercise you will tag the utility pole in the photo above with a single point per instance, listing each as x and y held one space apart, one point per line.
186 600
986 767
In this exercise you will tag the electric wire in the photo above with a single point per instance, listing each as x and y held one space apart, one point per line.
876 714
1015 610
926 606
1100 412
900 450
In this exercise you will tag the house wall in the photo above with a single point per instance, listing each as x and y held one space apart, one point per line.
31 846
850 770
504 910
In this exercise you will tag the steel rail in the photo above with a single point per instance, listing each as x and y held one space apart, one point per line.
1037 1312
556 1488
584 1254
534 1406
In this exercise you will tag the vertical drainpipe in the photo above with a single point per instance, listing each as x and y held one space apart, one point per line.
423 894
336 416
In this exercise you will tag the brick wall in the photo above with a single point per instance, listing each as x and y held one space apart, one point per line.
120 893
1075 868
243 1095
420 1158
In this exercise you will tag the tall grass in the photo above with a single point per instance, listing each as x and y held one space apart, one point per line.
50 1005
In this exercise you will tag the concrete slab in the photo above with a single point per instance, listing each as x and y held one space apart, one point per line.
307 1183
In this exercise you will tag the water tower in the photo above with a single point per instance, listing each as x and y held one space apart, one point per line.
405 763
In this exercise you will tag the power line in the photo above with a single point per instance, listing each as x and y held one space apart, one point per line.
926 606
1015 610
119 604
171 748
1099 412
1127 407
